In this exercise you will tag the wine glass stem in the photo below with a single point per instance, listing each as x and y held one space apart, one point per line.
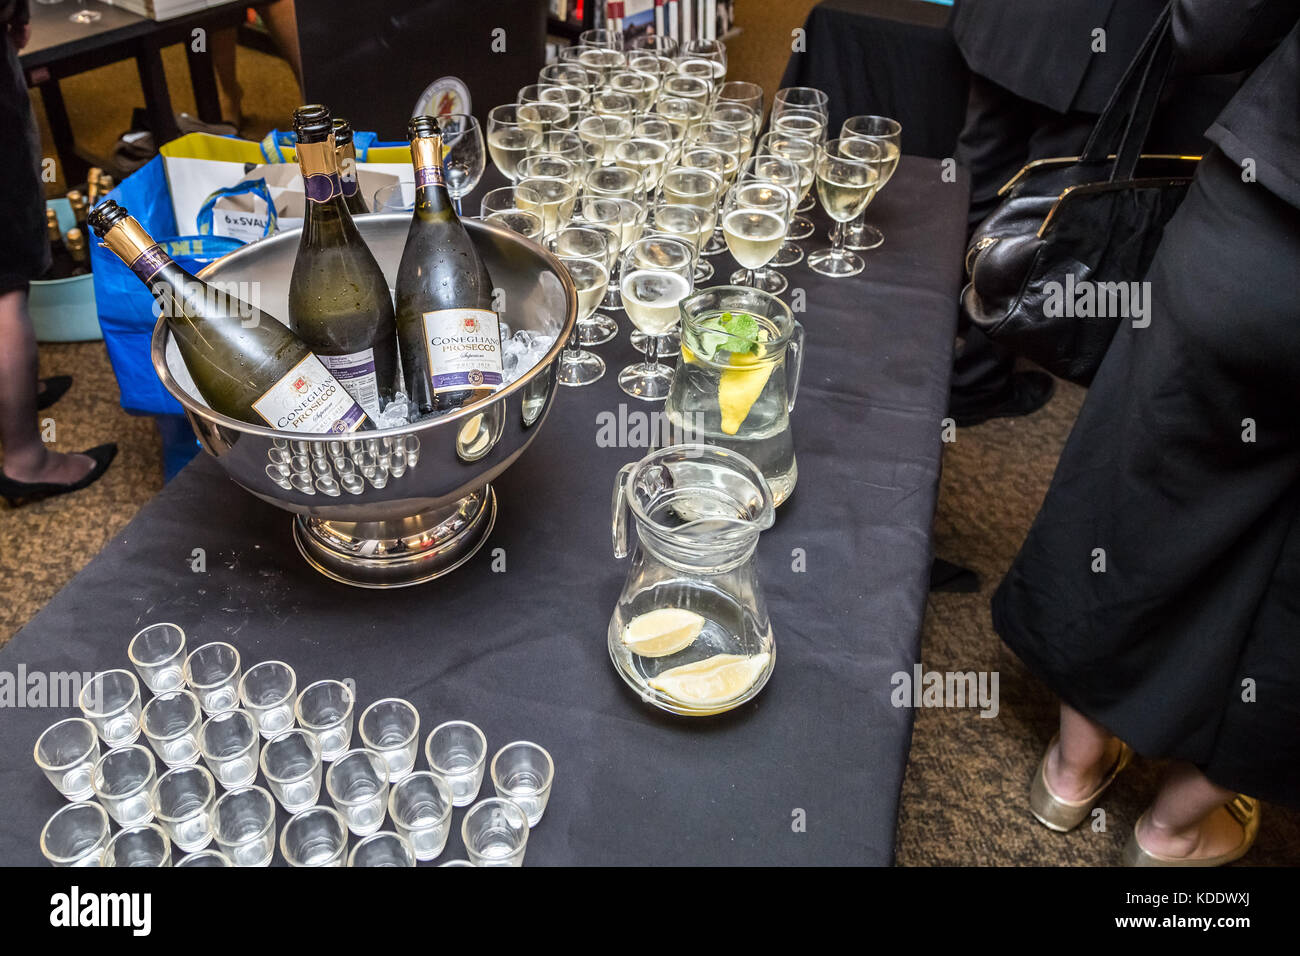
652 351
751 277
837 241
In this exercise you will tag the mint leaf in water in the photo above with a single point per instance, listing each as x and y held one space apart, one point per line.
734 332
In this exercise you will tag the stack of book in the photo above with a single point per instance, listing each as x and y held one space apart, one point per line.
682 20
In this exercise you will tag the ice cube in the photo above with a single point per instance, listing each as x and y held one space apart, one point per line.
523 350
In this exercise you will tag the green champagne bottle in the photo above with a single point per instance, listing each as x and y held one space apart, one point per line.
346 152
245 363
339 303
449 335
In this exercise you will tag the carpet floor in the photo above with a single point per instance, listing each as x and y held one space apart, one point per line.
964 798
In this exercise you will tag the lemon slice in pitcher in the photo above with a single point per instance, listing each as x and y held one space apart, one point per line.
739 386
661 632
711 682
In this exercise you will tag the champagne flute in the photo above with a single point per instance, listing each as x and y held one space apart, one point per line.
754 219
584 253
462 155
515 208
887 134
782 174
656 276
803 153
848 172
509 140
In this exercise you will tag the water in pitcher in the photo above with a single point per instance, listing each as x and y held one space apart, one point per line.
731 392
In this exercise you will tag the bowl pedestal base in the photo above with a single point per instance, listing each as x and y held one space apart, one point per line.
398 552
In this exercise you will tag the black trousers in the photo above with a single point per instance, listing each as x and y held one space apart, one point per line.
1158 590
24 250
1003 132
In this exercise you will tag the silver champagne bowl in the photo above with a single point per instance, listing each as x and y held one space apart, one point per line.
404 505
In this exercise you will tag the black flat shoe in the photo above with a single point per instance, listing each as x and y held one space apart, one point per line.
20 492
1030 391
56 386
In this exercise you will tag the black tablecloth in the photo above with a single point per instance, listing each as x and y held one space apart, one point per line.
888 58
522 652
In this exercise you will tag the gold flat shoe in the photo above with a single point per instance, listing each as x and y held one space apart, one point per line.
1244 809
1062 815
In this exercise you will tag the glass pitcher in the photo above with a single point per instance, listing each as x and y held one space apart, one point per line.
690 632
736 380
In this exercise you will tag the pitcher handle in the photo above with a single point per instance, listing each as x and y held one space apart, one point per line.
792 377
618 526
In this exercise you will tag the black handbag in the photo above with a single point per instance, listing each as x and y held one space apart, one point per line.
1066 248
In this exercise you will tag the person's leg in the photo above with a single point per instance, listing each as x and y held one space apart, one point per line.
26 456
282 23
1085 752
1188 820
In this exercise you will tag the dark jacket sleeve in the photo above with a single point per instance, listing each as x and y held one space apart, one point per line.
1224 36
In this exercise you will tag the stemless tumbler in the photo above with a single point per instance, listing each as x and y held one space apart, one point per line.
76 835
67 752
391 728
158 655
495 831
171 725
243 822
523 772
229 744
205 858
143 845
182 802
122 780
317 836
420 806
325 708
111 701
267 692
212 671
384 848
357 783
457 752
292 767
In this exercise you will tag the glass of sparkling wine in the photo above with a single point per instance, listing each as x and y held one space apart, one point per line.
556 199
803 153
887 134
783 174
692 225
754 218
603 133
848 172
584 252
503 206
657 273
509 140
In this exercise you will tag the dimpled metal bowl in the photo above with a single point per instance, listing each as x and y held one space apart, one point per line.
403 505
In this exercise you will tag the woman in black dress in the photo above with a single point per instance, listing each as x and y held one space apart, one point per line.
1158 592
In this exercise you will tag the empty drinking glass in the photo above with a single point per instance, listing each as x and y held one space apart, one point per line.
243 822
495 832
391 728
357 783
395 197
76 835
203 858
457 752
158 655
229 744
385 848
111 701
523 771
171 725
325 708
317 836
463 160
267 690
291 765
182 802
420 806
143 845
122 780
212 671
67 752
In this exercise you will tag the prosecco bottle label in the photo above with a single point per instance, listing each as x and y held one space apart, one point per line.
430 175
464 348
322 187
310 399
356 373
147 264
